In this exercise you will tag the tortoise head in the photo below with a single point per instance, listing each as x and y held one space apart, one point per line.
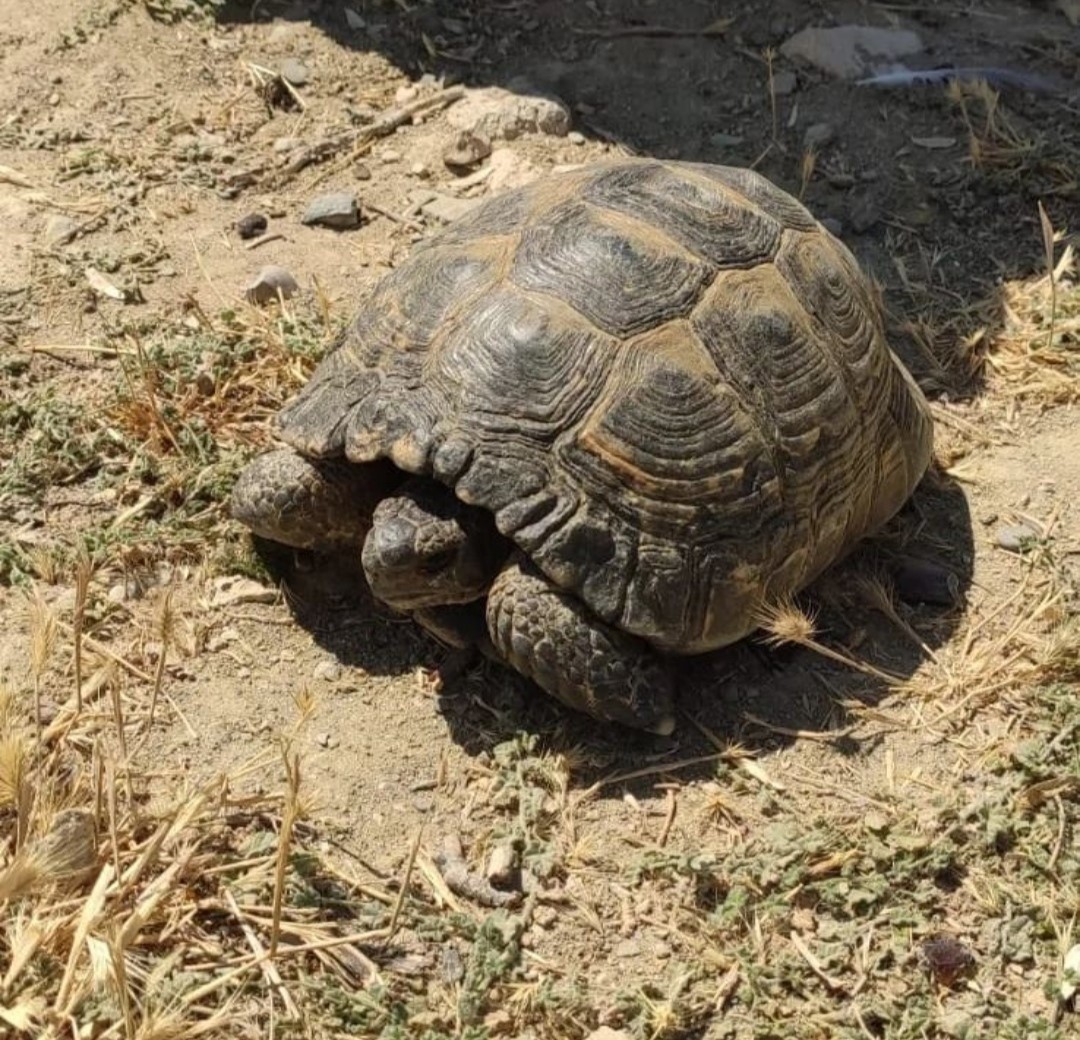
426 548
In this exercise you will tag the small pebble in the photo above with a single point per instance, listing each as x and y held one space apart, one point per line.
863 214
270 281
336 210
466 150
251 226
924 581
330 671
419 170
423 803
784 82
295 71
283 145
403 95
1014 536
390 156
205 383
60 229
818 135
447 208
233 589
502 865
576 137
545 916
361 172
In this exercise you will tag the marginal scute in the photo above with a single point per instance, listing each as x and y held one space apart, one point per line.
451 459
495 479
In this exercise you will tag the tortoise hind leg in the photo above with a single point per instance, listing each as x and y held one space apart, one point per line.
549 637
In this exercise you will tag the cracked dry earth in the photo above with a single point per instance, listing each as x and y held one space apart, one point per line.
137 135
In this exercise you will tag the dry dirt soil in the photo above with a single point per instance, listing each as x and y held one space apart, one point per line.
833 827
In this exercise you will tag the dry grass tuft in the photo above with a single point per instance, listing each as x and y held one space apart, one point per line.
1036 356
124 899
784 622
993 138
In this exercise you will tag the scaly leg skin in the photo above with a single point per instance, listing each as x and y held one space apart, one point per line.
322 504
549 637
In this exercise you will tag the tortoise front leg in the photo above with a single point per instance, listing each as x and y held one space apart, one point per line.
548 636
323 504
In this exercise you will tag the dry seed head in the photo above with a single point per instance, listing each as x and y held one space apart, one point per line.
42 621
69 848
8 711
165 618
1059 655
44 563
305 703
12 771
785 622
84 570
809 164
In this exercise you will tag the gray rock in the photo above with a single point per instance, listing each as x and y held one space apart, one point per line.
850 51
338 210
818 135
466 150
60 229
230 590
576 137
330 671
447 208
502 865
863 213
251 226
295 71
722 140
784 82
270 281
1014 536
924 581
501 114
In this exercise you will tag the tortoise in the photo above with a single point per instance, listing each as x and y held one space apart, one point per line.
598 423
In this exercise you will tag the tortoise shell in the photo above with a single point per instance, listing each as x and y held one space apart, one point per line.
667 381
